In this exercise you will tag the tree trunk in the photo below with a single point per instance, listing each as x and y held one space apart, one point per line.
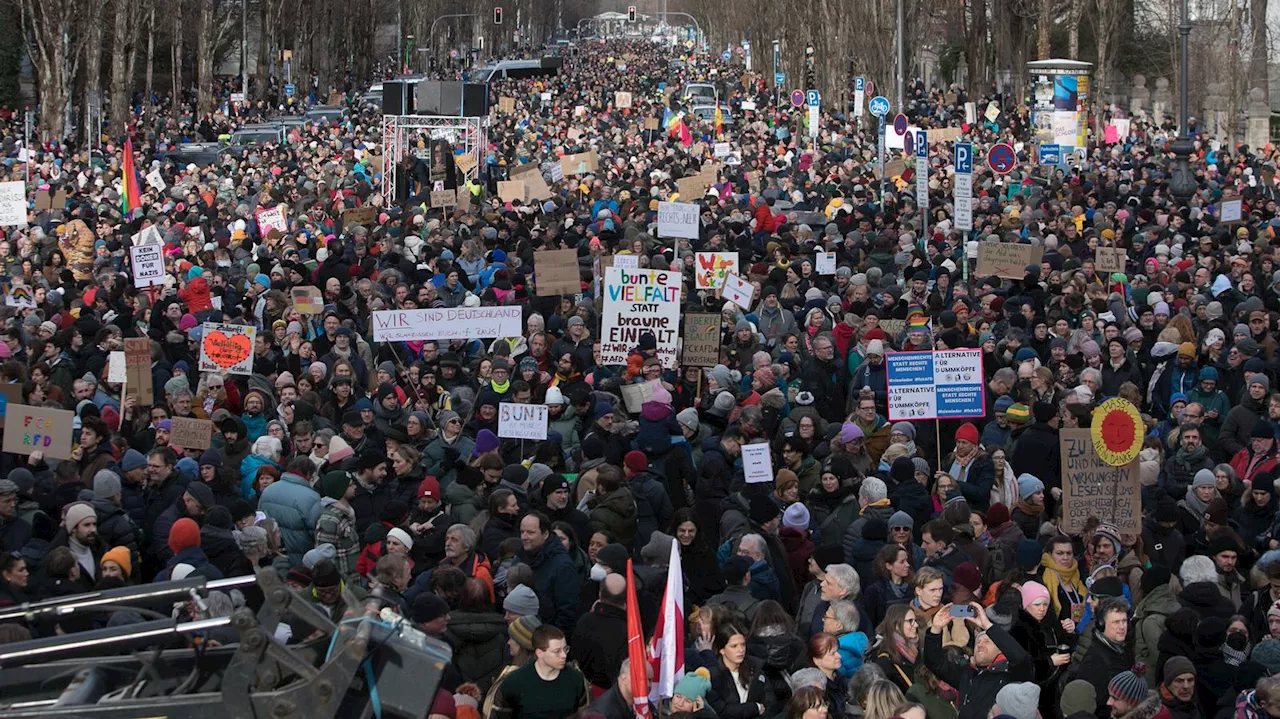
121 78
48 26
266 48
93 70
175 51
151 53
1074 10
204 61
976 52
1044 25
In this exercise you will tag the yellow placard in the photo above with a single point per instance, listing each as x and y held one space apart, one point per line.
1117 432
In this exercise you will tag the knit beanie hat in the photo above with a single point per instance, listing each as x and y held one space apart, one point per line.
1176 667
76 514
338 450
106 484
1029 485
1033 592
761 509
1128 687
122 557
796 517
184 535
1020 700
1078 697
1267 653
521 631
692 686
334 484
901 520
1204 478
522 601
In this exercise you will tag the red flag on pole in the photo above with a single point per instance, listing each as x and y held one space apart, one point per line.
635 651
666 649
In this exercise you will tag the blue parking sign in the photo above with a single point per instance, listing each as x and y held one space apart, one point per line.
964 158
813 98
1050 155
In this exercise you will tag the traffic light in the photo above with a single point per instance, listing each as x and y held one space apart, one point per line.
631 13
497 16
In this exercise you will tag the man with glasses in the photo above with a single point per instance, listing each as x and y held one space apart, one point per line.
1259 332
873 432
164 484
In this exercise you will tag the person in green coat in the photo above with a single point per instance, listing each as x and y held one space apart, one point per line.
1215 404
450 450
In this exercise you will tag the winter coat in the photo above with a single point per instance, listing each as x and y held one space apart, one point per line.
913 498
880 510
479 641
249 467
464 504
701 571
599 643
442 459
616 513
715 477
193 556
830 514
557 583
115 528
1035 452
879 596
295 507
1149 619
1101 663
498 528
1238 425
978 686
770 691
336 526
1207 600
652 504
1041 640
219 545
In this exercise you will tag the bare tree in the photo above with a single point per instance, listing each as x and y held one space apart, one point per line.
1106 26
53 33
124 41
175 48
151 51
95 31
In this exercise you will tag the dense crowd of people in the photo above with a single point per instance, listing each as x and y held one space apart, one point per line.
915 569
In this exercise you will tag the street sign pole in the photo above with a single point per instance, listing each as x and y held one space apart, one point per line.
922 183
964 188
880 149
777 60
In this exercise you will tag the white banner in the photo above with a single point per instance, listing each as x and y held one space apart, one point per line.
637 302
677 219
13 204
272 219
155 180
447 323
826 263
148 265
522 421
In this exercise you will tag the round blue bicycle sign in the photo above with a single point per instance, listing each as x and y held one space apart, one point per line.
879 106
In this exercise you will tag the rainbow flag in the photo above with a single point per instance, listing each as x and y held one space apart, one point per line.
130 190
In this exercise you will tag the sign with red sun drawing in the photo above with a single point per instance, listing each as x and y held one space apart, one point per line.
226 348
1117 432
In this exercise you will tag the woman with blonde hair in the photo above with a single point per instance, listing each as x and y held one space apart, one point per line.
882 701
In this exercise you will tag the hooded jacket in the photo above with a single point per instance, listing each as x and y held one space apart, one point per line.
1149 621
193 556
479 641
557 582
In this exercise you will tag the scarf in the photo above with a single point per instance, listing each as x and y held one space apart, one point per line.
1056 578
1029 509
907 650
1195 504
1188 457
500 388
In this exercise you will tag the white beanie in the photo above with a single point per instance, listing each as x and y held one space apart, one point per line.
402 536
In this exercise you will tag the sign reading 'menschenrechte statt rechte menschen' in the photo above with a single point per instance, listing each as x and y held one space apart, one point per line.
945 384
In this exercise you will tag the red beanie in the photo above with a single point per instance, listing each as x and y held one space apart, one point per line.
429 488
875 333
967 432
636 461
184 534
997 515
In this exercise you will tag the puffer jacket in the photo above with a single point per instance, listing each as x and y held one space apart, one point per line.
249 467
653 504
556 581
616 513
479 641
295 506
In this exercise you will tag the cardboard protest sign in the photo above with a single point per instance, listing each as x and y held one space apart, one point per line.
522 421
38 429
638 302
738 291
227 347
555 272
519 172
701 344
366 215
757 463
46 200
711 268
464 199
694 186
506 105
148 265
441 199
10 393
943 134
651 123
1110 259
137 361
536 188
190 433
465 162
1007 259
580 164
307 300
511 190
1232 209
13 203
1093 488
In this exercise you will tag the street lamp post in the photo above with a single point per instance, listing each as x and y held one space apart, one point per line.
1182 182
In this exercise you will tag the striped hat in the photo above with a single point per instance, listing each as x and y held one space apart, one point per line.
521 631
1128 687
913 310
1018 413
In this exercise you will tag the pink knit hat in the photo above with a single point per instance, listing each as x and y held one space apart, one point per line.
1033 592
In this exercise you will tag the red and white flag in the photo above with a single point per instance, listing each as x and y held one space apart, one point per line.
666 650
635 651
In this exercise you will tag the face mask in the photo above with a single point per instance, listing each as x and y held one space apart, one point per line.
598 573
224 263
1237 641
